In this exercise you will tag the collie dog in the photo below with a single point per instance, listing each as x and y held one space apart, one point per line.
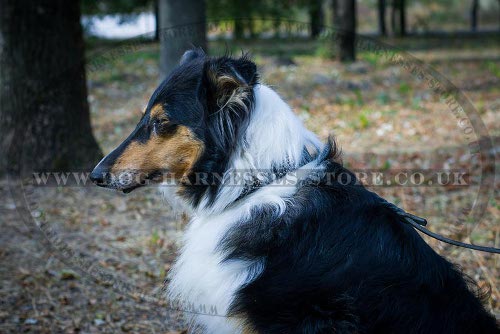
276 242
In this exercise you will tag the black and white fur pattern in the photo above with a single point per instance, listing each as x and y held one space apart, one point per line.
309 257
200 273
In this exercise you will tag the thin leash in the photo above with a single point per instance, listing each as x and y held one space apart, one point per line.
419 223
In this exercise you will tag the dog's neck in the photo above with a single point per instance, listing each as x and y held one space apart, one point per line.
274 143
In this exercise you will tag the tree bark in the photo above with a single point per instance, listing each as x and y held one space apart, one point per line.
239 29
394 6
402 17
344 12
381 18
44 114
473 15
182 26
316 17
156 7
398 8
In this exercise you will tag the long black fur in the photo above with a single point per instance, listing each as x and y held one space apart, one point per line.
340 261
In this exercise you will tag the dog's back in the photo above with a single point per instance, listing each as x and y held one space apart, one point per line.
340 261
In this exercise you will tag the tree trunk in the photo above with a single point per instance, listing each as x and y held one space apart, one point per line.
394 6
156 6
398 8
183 26
402 17
344 13
316 17
239 29
473 15
251 28
44 114
381 18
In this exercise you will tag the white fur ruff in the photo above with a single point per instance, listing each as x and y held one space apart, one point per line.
200 280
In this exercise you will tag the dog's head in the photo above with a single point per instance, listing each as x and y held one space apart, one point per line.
191 124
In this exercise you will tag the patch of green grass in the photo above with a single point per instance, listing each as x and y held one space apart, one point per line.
493 67
387 165
144 54
306 107
494 203
326 51
359 97
352 101
370 57
345 100
163 273
479 237
450 41
281 47
404 88
155 237
383 98
363 121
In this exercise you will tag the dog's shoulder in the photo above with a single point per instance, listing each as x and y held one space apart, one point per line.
338 257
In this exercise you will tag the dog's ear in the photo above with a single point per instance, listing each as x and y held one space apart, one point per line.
192 54
228 90
228 82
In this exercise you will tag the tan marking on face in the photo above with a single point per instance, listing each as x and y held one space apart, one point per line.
175 154
157 112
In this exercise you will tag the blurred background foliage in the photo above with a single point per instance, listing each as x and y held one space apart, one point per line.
423 15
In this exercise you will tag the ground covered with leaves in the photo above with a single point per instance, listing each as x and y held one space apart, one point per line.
83 259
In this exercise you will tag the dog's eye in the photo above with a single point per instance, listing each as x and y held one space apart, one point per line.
163 127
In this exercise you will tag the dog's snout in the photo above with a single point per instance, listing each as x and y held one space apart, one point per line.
99 176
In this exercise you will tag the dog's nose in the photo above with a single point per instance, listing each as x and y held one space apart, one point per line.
98 176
